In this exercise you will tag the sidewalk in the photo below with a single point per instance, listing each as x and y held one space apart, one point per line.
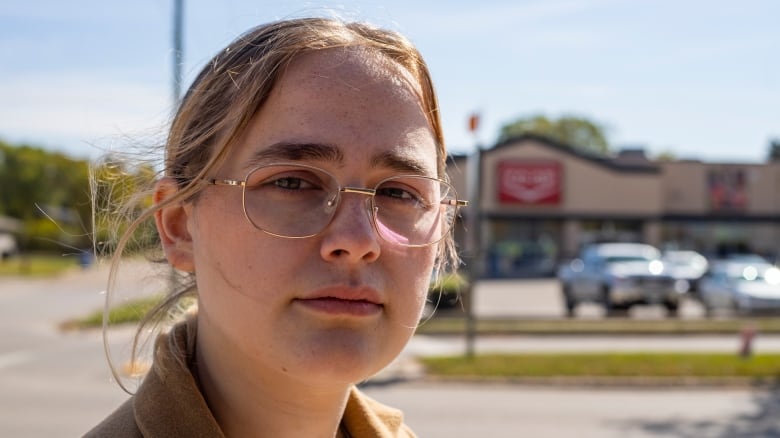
407 367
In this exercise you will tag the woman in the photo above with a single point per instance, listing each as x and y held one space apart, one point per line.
304 196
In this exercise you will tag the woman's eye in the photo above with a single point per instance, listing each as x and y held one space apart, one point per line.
292 183
402 195
394 192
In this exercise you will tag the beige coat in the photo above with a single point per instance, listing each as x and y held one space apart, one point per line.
169 404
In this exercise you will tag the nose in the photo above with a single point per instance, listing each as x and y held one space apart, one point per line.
351 236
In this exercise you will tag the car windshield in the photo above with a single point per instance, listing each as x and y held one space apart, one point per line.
627 258
685 259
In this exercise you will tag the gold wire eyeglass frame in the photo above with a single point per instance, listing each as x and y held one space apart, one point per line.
457 203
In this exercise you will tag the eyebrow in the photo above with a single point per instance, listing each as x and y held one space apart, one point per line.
287 151
296 152
400 163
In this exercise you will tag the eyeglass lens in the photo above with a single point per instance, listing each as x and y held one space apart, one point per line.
300 201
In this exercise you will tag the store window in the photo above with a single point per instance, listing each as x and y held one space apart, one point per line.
522 248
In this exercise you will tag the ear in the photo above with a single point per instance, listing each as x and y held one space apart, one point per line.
172 225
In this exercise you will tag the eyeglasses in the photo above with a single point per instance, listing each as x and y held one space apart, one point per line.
298 201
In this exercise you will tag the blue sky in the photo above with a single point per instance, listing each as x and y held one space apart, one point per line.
698 78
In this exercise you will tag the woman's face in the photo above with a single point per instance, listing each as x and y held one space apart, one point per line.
339 306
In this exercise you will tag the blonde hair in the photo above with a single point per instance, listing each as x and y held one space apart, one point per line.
231 89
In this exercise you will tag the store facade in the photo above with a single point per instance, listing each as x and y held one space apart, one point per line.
537 202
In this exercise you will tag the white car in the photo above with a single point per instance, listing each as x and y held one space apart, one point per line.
686 265
7 246
741 286
618 276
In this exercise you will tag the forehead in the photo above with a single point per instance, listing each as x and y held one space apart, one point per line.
355 67
351 100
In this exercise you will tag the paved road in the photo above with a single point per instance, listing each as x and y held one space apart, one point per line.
54 383
497 411
57 384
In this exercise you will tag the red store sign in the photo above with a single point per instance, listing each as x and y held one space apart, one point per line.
529 182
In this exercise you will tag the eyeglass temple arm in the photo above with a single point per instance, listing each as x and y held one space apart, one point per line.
225 182
455 202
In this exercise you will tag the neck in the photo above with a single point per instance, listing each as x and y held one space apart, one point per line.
251 401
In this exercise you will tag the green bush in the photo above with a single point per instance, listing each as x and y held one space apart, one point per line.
447 291
44 235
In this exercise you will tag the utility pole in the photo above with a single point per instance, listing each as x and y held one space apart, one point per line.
178 49
473 233
178 62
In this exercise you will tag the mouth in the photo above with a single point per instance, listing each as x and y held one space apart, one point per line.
354 302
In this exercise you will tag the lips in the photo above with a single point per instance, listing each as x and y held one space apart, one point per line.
343 301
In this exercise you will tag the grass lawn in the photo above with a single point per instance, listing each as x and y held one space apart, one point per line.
130 312
758 368
38 265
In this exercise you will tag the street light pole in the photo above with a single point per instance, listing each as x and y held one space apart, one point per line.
178 48
473 233
178 62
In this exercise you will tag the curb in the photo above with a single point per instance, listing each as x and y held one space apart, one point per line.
409 369
596 382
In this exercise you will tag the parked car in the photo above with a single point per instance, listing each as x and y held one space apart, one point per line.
618 276
741 286
7 246
745 258
686 265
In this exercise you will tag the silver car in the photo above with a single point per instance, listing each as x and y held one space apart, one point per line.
741 286
618 276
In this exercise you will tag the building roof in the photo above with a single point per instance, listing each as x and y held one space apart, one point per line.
630 160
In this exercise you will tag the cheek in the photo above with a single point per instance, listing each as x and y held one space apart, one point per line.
414 272
230 254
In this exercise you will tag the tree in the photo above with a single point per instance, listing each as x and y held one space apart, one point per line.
574 131
49 193
666 156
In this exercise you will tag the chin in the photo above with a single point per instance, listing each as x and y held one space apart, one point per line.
346 357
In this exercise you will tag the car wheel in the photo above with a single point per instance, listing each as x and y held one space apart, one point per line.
672 308
610 309
568 300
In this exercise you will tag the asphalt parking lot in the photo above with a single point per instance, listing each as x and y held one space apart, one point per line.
541 298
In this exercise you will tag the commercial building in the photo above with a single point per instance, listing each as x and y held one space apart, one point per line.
539 201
